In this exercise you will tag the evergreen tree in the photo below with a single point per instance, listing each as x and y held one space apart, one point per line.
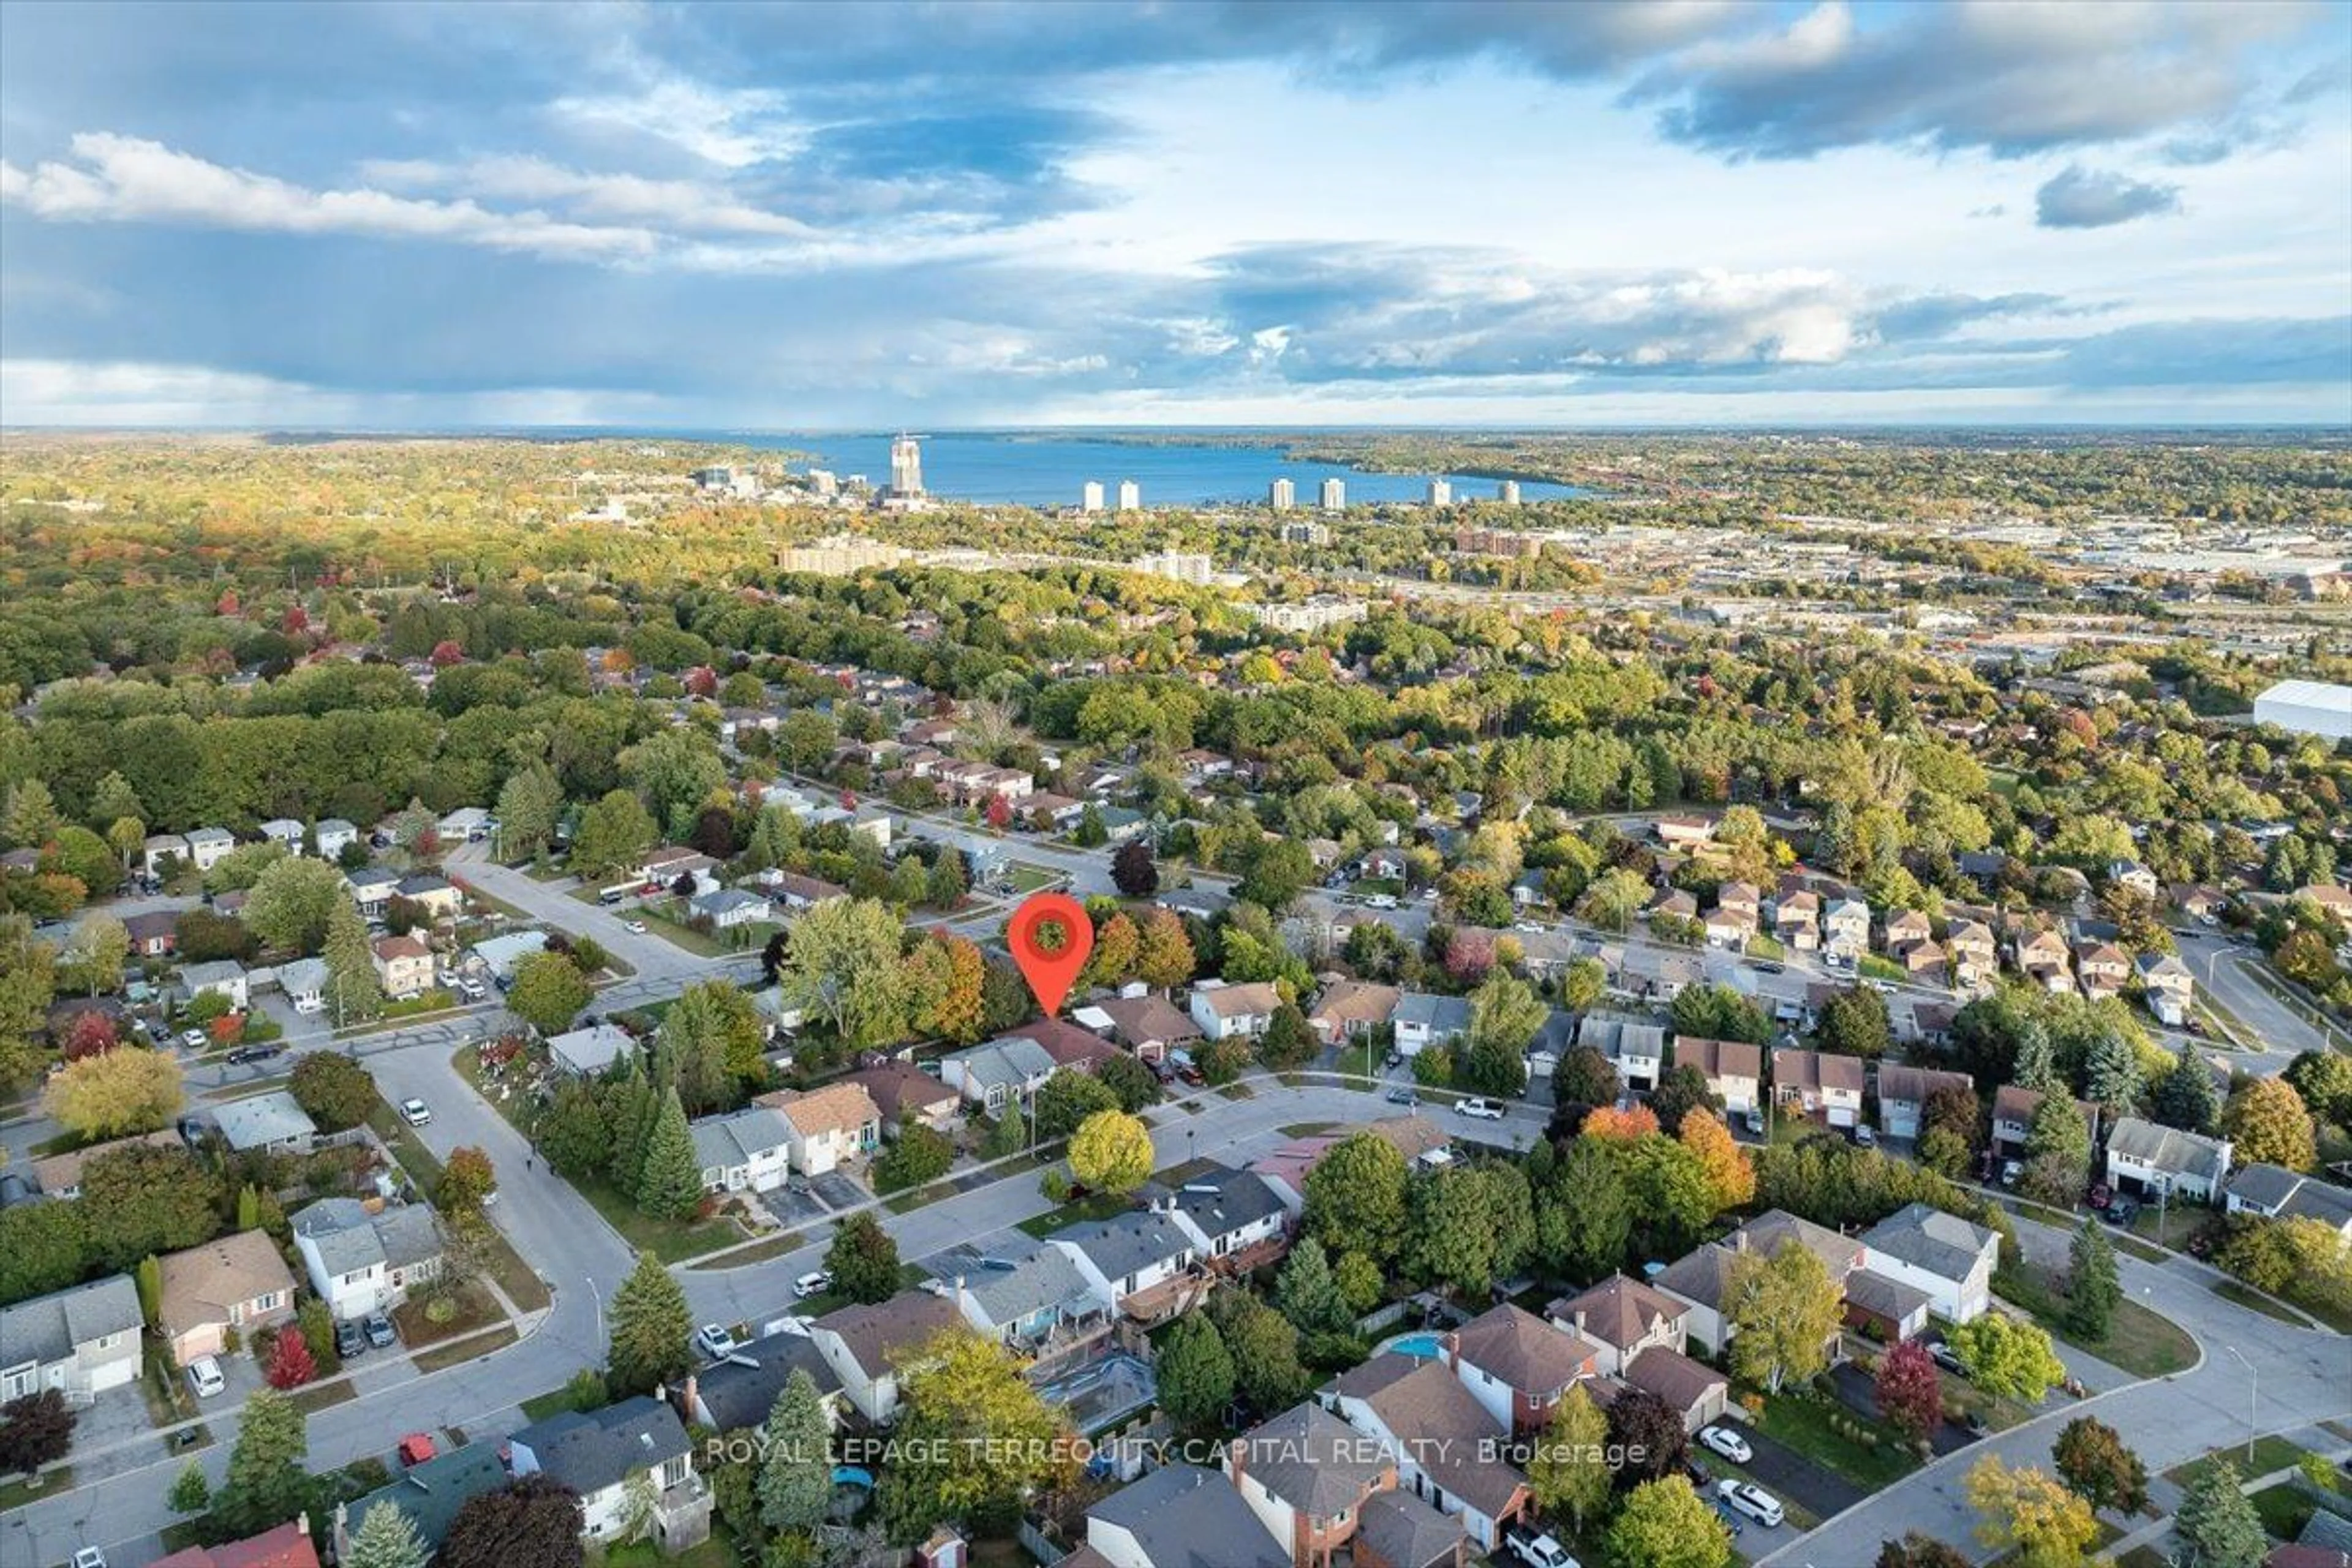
634 1108
2112 1073
386 1538
266 1484
2184 1098
2092 1289
353 993
1195 1371
670 1186
1305 1293
650 1323
2216 1522
795 1481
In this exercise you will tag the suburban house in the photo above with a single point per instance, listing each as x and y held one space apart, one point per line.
160 847
1306 1475
998 1073
1039 1305
1233 1219
1178 1516
2013 1105
404 966
1140 1264
1845 928
1684 832
1069 1045
665 865
437 896
2168 986
2131 874
1903 1092
80 1341
1904 927
2276 1192
206 846
730 906
1949 1258
2156 1159
904 1093
155 934
2101 968
266 1123
1149 1025
2041 957
1729 925
1517 1366
373 888
466 825
223 977
1226 1012
797 892
1423 1020
59 1176
1702 1279
333 835
598 1454
1820 1084
1619 1319
1448 1449
743 1150
236 1281
828 1126
429 1493
1692 1389
1661 975
286 832
738 1391
589 1052
1975 955
1879 1304
361 1262
304 981
287 1546
864 1343
1796 920
1734 1070
1634 1047
502 954
1348 1009
1396 1528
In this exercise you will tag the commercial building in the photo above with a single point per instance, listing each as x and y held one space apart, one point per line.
2307 707
840 556
1183 566
1305 532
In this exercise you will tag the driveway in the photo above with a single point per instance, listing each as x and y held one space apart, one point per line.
839 1191
1792 1476
1861 1395
792 1209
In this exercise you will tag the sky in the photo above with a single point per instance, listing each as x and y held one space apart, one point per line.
989 213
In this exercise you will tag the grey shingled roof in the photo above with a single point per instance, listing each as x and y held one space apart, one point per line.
48 1327
1046 1277
1182 1516
739 1391
1311 1459
735 1138
1226 1201
590 1450
265 1119
431 1493
1406 1532
1127 1244
2170 1149
1439 1014
1943 1244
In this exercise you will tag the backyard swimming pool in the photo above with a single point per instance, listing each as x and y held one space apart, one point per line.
1420 1347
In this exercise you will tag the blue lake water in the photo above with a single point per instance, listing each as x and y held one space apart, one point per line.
1047 471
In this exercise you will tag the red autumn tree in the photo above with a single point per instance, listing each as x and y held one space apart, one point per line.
999 812
228 1029
446 653
228 604
92 1035
1628 1126
290 1365
702 681
1910 1391
297 621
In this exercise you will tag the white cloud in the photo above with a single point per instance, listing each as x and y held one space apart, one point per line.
125 179
682 205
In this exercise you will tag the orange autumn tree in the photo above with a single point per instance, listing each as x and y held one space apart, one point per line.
1630 1125
1730 1176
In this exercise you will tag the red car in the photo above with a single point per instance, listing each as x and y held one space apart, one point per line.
415 1448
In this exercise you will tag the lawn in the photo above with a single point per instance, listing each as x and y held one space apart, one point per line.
2273 1453
2285 1509
665 1239
19 1490
2253 1301
1803 1422
775 1246
1304 1129
1028 879
715 1553
318 1396
432 1319
457 1351
401 1139
554 1401
1096 1206
2138 1341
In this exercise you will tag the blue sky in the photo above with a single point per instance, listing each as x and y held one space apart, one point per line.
1481 212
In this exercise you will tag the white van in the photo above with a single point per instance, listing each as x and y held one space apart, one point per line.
1752 1501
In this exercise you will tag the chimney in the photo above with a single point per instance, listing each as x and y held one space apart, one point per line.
1579 1320
692 1400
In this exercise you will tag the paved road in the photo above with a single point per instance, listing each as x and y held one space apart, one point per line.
2222 967
2298 1377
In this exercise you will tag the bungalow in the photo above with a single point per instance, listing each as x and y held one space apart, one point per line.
796 892
742 1150
610 1458
1348 1009
304 981
1178 1516
466 825
2013 1105
2169 989
2156 1159
2200 903
1674 903
1815 1083
666 865
429 1493
333 835
865 1345
1423 1020
57 1177
1228 1012
1734 1070
286 832
155 934
1233 1217
1635 1048
2276 1192
736 1392
729 908
998 1073
80 1341
233 1282
1149 1025
903 1094
1447 1447
373 888
266 1123
1049 812
2331 900
1038 1305
589 1052
1306 1475
404 966
1903 1092
1068 1043
160 847
360 1262
1949 1258
828 1127
223 977
1140 1264
1621 1317
1922 961
207 846
1661 975
1684 832
503 953
1517 1366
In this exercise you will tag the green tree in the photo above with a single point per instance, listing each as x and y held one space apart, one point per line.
1280 870
291 905
548 993
650 1327
146 1198
353 993
1355 1197
1288 1042
530 805
1917 1550
2026 1514
2006 1358
1469 1225
42 1248
1264 1350
1111 1151
2184 1097
805 740
2092 1460
27 986
612 837
111 799
386 1538
1581 986
918 1154
2216 1522
332 1090
1066 1099
266 1484
1854 1022
1504 1014
670 1184
468 1180
94 956
841 967
863 1259
981 1438
2092 1289
1665 1524
709 1046
1307 1294
796 1478
1568 1470
1786 1309
1584 1216
2268 1123
572 1133
1195 1371
192 1491
122 1090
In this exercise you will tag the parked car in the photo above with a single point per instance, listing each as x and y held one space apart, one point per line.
194 1039
415 1448
1752 1501
1731 1521
1943 1355
1864 1135
1537 1551
245 1054
415 1112
2010 1171
1727 1443
1402 1096
204 1377
1484 1109
380 1331
814 1282
715 1342
634 928
2121 1211
1754 1121
351 1339
89 1557
1769 966
2100 1195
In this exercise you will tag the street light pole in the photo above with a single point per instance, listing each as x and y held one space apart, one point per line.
2253 1394
598 1297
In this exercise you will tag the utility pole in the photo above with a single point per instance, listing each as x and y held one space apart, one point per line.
2253 1393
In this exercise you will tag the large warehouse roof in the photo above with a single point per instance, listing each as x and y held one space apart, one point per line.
2308 708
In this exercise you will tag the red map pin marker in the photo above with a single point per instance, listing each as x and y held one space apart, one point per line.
1050 936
